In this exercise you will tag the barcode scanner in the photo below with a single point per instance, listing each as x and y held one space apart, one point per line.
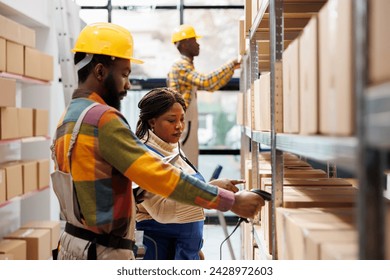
265 195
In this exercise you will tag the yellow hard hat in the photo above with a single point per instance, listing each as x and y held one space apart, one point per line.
106 39
184 31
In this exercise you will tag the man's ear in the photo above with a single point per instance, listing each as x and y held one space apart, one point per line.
99 71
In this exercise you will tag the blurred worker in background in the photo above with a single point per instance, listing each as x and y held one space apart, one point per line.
97 157
186 80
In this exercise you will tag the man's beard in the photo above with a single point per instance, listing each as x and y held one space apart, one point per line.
112 96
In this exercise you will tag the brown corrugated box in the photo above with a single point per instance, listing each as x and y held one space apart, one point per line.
38 242
41 122
8 92
43 173
14 179
38 65
291 88
335 68
308 79
8 118
53 226
379 41
296 226
16 248
15 58
262 91
2 54
2 186
25 122
18 33
30 176
314 195
6 256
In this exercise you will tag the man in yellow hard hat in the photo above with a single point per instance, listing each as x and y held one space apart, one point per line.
97 157
185 79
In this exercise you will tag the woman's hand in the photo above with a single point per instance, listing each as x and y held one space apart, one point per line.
227 184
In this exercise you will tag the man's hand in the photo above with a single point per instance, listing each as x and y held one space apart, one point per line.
247 204
227 184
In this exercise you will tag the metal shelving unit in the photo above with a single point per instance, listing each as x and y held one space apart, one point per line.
365 154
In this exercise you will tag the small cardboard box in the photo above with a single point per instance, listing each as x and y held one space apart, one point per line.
30 176
262 99
43 173
18 33
41 122
25 118
14 179
3 54
307 196
8 92
2 186
15 58
6 256
38 65
336 96
16 248
379 41
8 118
295 225
53 226
38 242
291 105
308 78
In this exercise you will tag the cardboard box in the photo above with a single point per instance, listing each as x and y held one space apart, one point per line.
15 32
331 196
241 37
53 226
8 119
315 239
14 58
262 91
308 79
16 248
294 226
310 182
248 15
38 242
38 65
2 186
2 54
30 176
343 251
291 105
8 92
379 41
14 179
25 122
6 256
43 173
335 68
41 122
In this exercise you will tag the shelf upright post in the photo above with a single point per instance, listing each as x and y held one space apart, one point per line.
254 74
370 204
276 50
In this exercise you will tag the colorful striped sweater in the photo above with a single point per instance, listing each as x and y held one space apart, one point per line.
107 157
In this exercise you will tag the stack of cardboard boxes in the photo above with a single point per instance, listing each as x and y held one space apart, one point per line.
21 62
35 240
